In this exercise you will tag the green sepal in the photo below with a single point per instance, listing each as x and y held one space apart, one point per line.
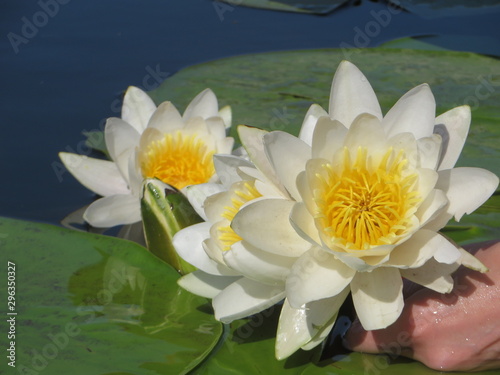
165 211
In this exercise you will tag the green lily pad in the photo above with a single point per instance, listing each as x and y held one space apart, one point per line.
447 8
94 305
274 90
311 6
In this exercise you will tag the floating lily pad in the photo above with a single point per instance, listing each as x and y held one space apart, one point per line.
448 8
307 6
94 305
274 90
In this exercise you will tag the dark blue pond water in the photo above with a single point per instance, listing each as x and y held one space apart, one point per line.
64 65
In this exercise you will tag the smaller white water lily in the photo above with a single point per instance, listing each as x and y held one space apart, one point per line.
241 278
371 193
151 142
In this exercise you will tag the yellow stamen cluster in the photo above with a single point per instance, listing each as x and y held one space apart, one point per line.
178 159
246 192
360 205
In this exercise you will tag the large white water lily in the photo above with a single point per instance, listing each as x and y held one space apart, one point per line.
242 278
151 142
371 193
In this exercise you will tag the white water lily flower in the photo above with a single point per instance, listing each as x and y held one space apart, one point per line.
151 142
241 278
371 193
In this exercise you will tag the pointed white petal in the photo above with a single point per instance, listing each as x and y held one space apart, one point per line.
431 207
365 131
433 275
226 115
205 285
414 112
303 223
422 246
466 189
245 297
427 179
188 243
328 138
257 264
314 112
216 127
316 275
453 127
253 141
297 327
113 210
100 176
429 151
166 118
197 194
137 108
288 155
121 141
470 261
204 105
377 297
227 168
351 94
266 225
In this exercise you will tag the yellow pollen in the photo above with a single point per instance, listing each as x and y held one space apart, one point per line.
242 194
178 159
360 206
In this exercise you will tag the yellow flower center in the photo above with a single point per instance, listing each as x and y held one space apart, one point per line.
361 206
244 192
178 159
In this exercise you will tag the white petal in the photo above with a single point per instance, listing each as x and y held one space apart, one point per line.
466 189
188 243
453 127
351 94
205 285
377 297
422 246
316 275
225 146
429 151
226 115
288 155
227 168
314 112
100 176
427 179
297 327
431 207
166 118
365 131
433 275
121 141
253 141
245 297
470 261
414 112
197 194
407 143
258 265
328 138
204 105
266 225
113 210
137 108
216 127
303 223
